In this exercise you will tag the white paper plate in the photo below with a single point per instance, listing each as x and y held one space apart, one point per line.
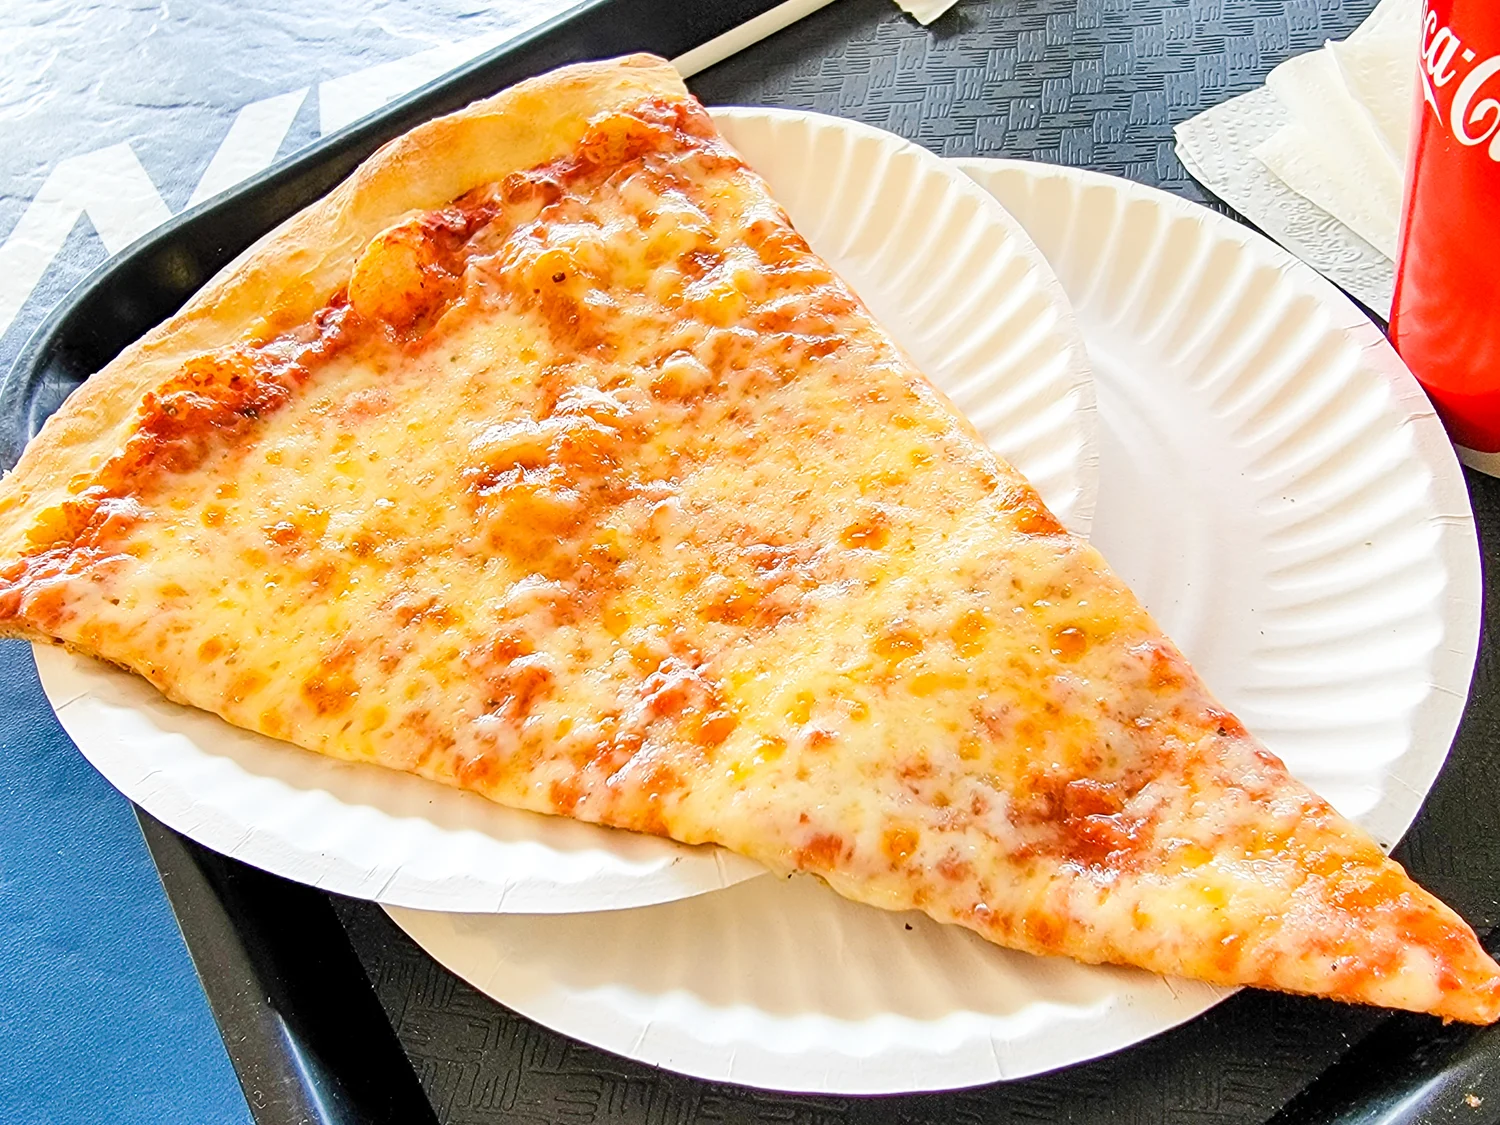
1278 490
988 322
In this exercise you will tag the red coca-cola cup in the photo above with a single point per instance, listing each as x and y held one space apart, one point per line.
1445 320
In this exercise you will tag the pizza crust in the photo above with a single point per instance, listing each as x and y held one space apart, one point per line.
290 273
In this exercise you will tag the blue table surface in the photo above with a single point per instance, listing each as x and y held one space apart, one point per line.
101 1015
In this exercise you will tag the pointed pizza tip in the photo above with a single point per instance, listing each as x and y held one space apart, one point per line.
1466 988
1477 997
1399 946
1444 970
1369 934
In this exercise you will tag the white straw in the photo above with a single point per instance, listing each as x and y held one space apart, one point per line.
747 34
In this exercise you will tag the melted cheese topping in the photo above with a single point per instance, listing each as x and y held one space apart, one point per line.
599 494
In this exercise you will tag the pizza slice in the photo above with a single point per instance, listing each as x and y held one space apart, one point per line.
543 458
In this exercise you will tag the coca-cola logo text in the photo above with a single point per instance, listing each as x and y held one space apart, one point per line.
1471 119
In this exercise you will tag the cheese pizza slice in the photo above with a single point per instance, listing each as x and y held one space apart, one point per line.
544 459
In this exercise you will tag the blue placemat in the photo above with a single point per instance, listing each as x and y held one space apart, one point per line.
101 1017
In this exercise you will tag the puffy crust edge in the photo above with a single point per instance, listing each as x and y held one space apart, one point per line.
287 275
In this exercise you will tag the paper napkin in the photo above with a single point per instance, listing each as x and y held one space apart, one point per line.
1316 157
925 11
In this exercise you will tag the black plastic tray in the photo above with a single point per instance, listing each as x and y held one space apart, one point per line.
304 1030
